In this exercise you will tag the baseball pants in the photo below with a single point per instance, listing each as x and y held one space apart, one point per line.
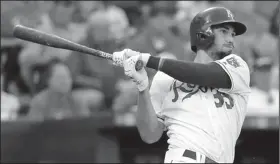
185 156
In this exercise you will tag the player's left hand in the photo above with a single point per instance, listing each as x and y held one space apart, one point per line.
121 56
139 77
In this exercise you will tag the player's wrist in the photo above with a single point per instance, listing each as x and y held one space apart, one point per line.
145 58
143 84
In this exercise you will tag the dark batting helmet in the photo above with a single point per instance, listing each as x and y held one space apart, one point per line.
200 29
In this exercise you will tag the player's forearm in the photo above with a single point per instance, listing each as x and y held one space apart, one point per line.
211 75
147 123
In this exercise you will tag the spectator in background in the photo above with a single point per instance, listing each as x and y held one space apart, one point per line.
94 77
81 14
56 101
87 75
126 97
167 8
260 51
131 9
83 10
274 29
9 103
13 82
13 13
265 51
118 24
33 57
275 21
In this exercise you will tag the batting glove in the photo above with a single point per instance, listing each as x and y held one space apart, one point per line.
121 56
143 56
118 58
139 77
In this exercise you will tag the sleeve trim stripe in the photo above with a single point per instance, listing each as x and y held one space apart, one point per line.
160 118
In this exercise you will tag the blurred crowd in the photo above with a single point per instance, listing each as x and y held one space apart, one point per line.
40 82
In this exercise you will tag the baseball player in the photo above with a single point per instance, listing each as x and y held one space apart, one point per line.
201 104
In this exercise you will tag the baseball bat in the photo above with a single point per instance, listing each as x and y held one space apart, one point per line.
51 40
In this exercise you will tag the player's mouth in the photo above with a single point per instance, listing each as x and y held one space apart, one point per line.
229 46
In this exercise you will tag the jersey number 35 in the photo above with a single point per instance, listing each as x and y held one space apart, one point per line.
223 98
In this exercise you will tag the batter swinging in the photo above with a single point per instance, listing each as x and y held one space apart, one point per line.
201 104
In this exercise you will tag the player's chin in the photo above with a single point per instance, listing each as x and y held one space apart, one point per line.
227 49
224 53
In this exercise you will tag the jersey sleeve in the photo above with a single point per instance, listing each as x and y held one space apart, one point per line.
159 88
239 73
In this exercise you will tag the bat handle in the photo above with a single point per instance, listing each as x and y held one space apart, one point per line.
139 65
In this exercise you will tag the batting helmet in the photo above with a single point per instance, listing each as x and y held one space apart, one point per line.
200 29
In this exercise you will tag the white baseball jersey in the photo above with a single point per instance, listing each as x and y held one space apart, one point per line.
203 119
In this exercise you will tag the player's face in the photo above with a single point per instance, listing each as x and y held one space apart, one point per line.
224 40
60 79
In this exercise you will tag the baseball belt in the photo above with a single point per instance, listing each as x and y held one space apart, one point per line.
192 155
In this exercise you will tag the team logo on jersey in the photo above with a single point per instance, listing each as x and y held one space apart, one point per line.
232 61
189 90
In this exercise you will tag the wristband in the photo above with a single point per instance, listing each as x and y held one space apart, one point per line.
153 62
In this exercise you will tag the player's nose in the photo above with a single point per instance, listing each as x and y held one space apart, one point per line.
229 41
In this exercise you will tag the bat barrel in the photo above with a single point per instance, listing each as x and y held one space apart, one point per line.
39 37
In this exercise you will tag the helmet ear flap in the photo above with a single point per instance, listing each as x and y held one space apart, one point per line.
201 36
204 40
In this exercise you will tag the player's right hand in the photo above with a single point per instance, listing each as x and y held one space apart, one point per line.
139 77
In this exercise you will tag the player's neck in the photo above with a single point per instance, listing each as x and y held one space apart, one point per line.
203 57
